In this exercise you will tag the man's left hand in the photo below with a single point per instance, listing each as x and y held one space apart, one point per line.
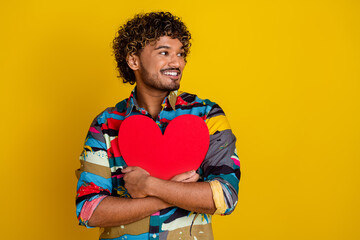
135 181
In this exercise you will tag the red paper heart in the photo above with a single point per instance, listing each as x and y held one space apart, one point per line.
182 147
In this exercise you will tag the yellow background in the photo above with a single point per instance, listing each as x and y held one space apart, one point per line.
285 72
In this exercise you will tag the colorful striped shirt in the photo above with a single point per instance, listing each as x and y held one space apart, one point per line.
101 162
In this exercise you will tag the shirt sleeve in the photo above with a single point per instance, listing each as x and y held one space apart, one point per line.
221 167
94 175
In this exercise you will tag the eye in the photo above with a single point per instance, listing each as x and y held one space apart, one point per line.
165 53
182 54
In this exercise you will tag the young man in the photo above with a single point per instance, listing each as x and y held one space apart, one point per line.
126 202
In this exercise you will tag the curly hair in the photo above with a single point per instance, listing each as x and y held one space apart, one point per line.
134 35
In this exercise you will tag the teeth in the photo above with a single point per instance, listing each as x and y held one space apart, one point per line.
171 73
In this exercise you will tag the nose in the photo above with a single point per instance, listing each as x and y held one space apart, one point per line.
175 61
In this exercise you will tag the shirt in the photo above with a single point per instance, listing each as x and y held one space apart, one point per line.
101 162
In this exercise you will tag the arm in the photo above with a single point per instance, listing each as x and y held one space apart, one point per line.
192 196
114 211
221 167
94 204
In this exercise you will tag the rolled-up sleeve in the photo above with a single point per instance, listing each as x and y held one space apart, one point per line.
94 174
221 167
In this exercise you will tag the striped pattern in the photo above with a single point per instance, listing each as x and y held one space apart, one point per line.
101 163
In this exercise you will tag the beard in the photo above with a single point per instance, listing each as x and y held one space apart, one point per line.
152 80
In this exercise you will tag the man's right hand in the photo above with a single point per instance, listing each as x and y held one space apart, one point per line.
190 176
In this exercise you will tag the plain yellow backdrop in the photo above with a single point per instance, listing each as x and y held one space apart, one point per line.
285 72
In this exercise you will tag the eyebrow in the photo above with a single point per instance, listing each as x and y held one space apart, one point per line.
162 46
166 47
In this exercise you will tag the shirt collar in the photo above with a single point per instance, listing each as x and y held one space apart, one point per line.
172 97
170 100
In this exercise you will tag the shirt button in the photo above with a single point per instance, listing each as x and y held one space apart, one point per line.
154 235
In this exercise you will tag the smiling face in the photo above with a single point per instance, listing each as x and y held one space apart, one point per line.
160 64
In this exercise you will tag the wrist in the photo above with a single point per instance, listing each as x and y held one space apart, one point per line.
148 185
151 183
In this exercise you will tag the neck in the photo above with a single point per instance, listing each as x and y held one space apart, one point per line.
150 100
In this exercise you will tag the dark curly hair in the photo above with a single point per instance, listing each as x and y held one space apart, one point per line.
133 36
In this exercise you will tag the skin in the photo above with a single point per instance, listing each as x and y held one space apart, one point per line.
150 194
115 211
198 198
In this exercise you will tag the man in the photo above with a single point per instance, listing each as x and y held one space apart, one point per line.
126 202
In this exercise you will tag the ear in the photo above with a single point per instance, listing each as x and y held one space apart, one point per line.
133 61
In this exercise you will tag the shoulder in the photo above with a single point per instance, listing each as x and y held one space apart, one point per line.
114 113
213 114
210 108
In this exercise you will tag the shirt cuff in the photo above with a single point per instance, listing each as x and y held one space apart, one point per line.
218 197
89 208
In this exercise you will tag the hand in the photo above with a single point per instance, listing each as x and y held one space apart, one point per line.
190 176
135 181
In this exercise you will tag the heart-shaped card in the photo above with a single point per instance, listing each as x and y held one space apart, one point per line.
182 148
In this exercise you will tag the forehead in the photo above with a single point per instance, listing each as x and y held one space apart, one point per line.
166 41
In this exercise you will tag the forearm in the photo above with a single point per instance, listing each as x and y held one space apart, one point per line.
195 196
114 211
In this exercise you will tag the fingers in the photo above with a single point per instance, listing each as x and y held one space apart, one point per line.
193 178
175 178
180 177
131 169
190 176
127 169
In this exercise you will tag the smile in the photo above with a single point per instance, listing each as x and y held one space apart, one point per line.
171 73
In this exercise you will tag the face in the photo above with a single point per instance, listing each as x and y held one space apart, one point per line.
161 64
